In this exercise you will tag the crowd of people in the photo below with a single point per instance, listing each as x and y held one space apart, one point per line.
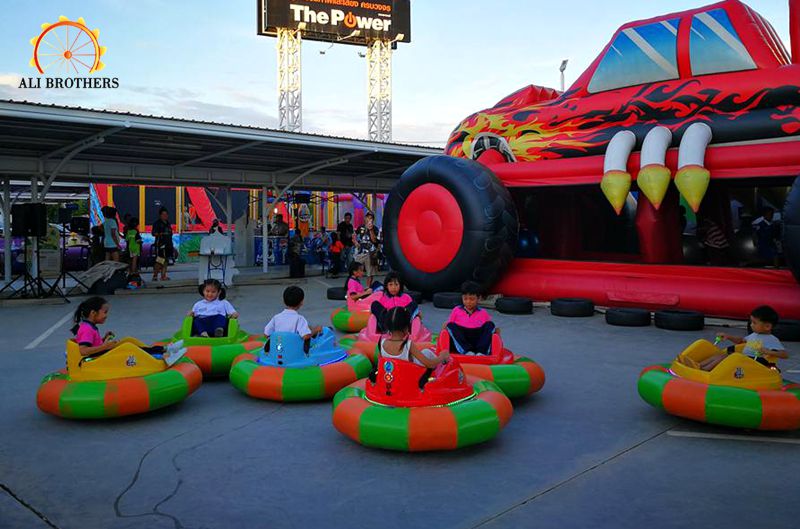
114 241
339 249
108 237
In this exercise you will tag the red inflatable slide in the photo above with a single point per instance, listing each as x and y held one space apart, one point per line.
202 207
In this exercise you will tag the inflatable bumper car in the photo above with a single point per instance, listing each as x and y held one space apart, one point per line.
286 372
739 392
213 355
517 376
410 408
123 381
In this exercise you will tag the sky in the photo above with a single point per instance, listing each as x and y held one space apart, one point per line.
202 59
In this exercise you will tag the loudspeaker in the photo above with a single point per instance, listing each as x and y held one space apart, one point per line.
29 220
79 225
64 215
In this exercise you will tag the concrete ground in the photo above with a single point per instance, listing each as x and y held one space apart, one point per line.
585 452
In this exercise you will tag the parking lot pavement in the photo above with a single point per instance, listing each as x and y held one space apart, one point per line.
584 452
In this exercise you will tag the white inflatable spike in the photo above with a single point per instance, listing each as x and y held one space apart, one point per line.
692 178
618 151
693 145
654 176
654 148
616 182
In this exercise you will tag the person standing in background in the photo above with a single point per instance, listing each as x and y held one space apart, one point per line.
110 233
367 241
162 231
345 229
280 228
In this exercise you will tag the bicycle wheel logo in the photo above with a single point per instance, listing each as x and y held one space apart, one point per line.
67 47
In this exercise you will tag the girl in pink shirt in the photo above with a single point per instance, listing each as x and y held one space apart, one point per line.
355 290
94 312
393 296
88 315
358 297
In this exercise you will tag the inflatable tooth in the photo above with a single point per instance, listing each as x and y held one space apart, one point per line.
692 178
616 182
654 176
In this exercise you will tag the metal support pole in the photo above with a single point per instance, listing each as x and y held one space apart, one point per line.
7 230
229 214
379 91
34 240
264 232
290 93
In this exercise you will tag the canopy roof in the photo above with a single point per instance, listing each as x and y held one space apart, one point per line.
81 145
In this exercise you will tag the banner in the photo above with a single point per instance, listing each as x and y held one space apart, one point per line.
346 21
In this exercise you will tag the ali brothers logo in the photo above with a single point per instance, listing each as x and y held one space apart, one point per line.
69 54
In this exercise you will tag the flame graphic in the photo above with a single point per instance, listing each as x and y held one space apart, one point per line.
569 125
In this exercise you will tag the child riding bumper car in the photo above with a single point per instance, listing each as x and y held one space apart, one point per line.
739 391
517 376
126 380
214 355
407 407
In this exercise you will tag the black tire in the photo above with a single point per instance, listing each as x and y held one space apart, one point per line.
416 296
337 293
680 320
791 229
787 331
446 300
572 307
512 305
628 317
490 224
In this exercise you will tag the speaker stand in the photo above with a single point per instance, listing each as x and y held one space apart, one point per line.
33 286
63 274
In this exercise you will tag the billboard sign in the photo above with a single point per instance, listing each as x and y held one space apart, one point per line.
345 21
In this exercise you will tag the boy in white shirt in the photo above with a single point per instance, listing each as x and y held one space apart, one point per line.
289 320
759 343
210 314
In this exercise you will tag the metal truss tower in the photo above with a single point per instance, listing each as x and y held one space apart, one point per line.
290 86
379 91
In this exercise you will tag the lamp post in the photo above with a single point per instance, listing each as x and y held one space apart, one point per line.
561 69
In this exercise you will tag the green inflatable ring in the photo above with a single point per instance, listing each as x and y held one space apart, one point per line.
347 321
777 409
464 423
289 384
214 356
104 399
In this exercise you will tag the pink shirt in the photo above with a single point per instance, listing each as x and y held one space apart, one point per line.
473 320
390 302
354 286
88 335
